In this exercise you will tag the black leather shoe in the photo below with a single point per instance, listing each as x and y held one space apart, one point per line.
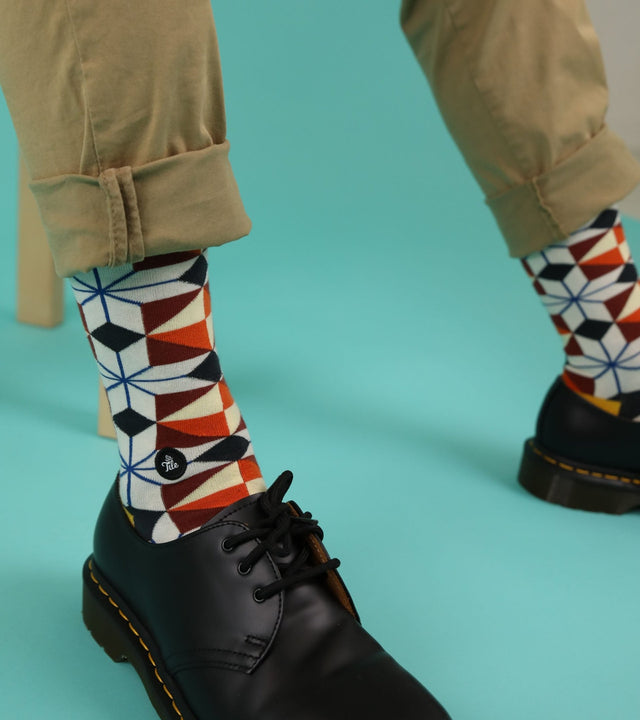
581 456
245 619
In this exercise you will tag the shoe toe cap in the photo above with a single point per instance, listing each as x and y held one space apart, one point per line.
376 688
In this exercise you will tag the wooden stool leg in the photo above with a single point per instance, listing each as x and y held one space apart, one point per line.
105 423
40 290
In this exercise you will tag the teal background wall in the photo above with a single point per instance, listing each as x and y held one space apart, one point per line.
381 345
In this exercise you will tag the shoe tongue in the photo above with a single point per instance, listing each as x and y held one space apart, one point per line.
245 511
248 512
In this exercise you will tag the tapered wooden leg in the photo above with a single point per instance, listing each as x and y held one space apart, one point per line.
105 423
40 290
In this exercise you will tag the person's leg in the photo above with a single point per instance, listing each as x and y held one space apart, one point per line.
132 163
589 285
522 89
220 593
121 124
185 452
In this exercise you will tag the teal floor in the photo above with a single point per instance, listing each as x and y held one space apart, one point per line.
382 346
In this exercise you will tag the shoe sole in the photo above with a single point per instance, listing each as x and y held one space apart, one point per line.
123 637
582 487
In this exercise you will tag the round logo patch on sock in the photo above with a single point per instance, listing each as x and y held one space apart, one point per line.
170 463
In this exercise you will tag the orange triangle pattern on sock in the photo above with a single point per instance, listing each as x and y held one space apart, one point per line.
208 426
225 394
619 233
195 335
173 494
249 469
612 258
633 318
218 499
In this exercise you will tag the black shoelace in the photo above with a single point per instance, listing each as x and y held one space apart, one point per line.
278 533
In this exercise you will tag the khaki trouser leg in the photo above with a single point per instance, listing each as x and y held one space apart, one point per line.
119 112
522 89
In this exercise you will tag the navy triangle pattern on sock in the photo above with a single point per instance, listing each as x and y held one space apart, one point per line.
208 369
227 450
605 220
114 337
197 273
131 422
628 274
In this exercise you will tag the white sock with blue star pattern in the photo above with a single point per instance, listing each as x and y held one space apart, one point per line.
589 285
185 452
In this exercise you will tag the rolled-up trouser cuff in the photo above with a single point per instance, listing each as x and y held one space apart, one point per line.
183 202
549 207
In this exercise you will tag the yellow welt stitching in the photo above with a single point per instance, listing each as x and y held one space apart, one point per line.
582 471
164 687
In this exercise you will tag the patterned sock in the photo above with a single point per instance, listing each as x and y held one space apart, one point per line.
184 448
589 285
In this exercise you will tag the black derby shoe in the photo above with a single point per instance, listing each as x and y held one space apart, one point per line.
245 619
581 456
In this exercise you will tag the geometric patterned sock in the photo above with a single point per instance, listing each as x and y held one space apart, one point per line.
589 285
185 452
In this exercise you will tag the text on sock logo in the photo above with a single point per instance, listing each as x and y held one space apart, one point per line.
170 463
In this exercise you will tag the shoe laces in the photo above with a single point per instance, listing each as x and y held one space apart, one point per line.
280 533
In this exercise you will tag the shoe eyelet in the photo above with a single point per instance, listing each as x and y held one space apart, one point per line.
225 545
244 569
257 597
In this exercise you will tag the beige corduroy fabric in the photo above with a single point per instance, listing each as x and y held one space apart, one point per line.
522 89
119 112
